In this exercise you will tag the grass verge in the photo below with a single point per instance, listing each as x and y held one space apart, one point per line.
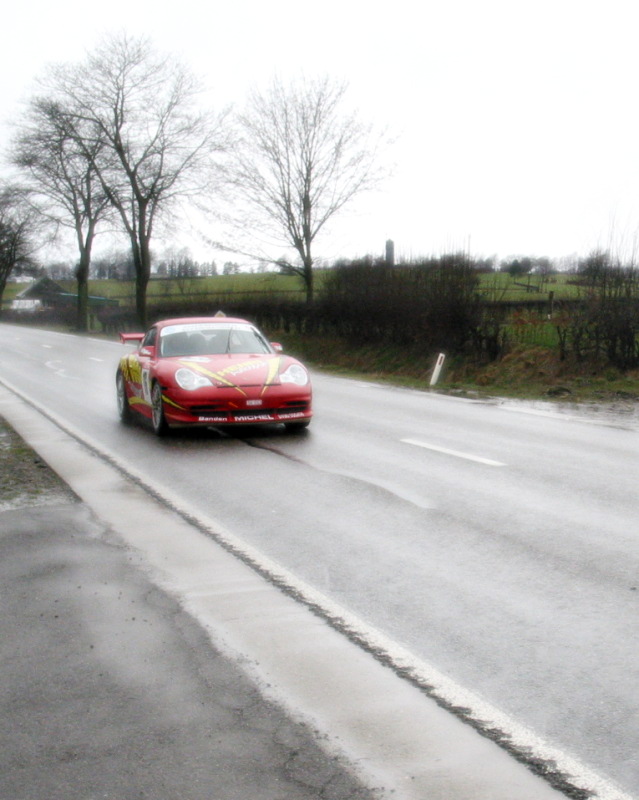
532 373
26 479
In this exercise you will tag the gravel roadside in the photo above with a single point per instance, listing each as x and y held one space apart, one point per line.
25 479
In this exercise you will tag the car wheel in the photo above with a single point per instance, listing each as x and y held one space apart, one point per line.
124 410
157 411
297 427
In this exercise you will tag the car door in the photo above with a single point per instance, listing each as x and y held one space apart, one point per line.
146 357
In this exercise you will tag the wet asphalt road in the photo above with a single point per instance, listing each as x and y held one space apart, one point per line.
500 546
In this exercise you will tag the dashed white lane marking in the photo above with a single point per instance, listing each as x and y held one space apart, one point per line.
60 371
457 453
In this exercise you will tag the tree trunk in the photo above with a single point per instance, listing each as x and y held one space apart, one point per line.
85 245
308 280
3 284
142 260
82 276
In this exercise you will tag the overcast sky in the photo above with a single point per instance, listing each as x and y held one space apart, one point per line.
517 123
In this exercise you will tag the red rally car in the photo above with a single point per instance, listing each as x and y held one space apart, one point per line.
211 371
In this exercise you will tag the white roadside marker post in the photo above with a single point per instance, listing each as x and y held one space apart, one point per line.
438 369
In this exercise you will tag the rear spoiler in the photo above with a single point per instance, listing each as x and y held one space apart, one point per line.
125 338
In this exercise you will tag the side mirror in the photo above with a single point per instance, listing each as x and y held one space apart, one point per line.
277 347
148 351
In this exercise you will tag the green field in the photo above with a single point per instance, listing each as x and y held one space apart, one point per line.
493 286
501 286
270 283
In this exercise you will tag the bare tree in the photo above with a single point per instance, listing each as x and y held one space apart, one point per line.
159 147
301 160
17 227
57 153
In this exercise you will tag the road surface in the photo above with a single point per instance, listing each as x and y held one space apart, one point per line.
496 546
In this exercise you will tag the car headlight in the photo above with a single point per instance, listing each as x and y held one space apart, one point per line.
295 374
189 380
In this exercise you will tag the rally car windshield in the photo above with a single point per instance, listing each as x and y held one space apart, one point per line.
211 339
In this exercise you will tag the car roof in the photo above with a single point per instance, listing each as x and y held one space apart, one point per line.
195 320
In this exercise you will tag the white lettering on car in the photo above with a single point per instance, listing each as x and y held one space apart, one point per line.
275 417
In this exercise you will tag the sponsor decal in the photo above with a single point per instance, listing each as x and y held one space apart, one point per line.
189 327
131 369
232 370
275 417
217 376
254 402
242 367
224 376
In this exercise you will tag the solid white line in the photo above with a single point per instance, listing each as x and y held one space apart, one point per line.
488 461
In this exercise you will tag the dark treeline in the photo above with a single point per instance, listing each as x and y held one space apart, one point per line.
432 304
435 304
605 325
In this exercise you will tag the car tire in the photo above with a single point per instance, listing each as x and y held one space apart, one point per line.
124 410
158 420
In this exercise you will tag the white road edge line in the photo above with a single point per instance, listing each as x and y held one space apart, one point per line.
402 660
457 453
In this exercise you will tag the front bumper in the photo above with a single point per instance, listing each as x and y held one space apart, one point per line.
195 408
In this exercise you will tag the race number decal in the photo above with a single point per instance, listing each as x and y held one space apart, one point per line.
146 385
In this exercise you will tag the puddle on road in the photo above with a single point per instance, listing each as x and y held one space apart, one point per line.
621 413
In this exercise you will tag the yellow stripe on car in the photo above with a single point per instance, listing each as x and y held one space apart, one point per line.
173 403
138 401
273 370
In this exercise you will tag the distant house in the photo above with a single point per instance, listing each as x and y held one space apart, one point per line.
45 293
42 292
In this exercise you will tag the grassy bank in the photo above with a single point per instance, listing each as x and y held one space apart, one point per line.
525 372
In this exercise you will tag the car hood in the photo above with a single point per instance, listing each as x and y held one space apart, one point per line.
233 371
